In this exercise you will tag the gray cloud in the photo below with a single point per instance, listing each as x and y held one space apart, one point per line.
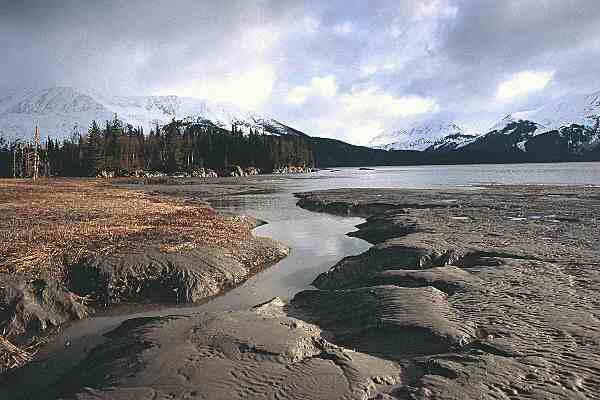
454 52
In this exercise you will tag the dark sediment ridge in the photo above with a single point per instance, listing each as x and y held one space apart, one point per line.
487 294
259 353
516 275
180 277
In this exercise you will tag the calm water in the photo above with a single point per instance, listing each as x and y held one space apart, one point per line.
317 241
453 175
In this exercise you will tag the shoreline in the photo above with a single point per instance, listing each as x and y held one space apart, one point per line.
501 281
167 264
453 300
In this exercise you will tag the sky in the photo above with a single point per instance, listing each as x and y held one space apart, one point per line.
342 69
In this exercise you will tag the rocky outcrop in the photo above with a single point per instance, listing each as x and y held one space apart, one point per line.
291 169
203 173
236 170
252 171
105 174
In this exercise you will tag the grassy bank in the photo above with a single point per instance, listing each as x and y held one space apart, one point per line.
49 226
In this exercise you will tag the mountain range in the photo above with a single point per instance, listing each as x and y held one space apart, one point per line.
566 128
61 111
418 135
563 129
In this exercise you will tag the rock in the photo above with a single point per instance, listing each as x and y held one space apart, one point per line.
290 169
31 306
180 174
211 174
105 174
252 171
236 170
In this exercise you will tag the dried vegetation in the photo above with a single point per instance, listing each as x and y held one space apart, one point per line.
49 224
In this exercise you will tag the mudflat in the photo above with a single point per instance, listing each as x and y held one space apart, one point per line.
465 294
495 290
69 246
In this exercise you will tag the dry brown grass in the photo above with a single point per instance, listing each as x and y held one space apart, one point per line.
12 357
50 223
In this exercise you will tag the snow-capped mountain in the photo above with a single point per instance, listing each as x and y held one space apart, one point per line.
452 142
580 109
561 129
418 136
441 133
528 141
61 111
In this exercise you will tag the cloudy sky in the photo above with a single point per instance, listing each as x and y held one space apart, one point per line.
344 69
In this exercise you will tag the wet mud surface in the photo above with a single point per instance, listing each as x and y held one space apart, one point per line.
260 353
517 269
487 294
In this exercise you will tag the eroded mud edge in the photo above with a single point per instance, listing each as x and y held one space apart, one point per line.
32 309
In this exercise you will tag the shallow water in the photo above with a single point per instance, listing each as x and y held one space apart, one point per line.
317 241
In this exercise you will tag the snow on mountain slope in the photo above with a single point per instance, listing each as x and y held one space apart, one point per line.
452 142
57 111
61 111
418 135
442 132
566 110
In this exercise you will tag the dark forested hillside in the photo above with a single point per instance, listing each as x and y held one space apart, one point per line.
335 153
522 141
177 147
190 146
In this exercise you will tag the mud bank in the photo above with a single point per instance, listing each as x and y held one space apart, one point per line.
33 305
488 294
260 353
80 245
477 294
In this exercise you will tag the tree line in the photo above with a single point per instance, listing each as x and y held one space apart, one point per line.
178 147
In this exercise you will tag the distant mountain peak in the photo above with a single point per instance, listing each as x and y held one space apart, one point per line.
61 110
417 136
581 109
59 99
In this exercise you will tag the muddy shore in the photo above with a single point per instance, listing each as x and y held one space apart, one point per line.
79 245
496 290
483 294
